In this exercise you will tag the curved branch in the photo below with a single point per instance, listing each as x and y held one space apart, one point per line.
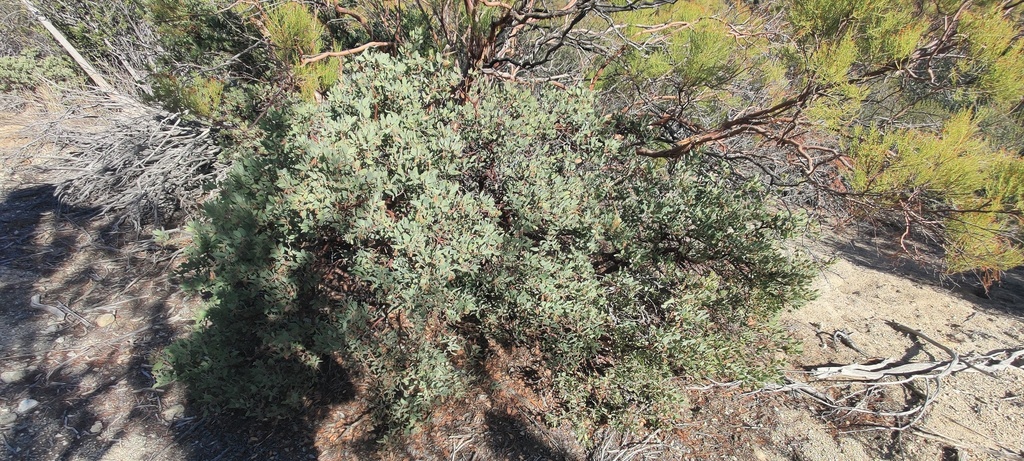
342 11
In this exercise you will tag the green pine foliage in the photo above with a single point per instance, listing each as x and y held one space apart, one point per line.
923 100
957 168
294 32
213 67
408 236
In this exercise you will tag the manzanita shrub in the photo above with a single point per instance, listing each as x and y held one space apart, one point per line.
407 229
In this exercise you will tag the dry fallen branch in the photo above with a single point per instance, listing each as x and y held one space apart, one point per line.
144 167
870 378
80 352
57 35
913 332
1000 452
124 159
60 310
341 54
988 364
616 446
52 310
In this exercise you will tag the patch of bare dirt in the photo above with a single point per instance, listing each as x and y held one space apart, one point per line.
81 318
972 414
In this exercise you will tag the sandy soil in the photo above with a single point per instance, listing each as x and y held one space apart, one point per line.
973 414
90 383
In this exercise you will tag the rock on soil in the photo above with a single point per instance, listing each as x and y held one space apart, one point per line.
27 405
16 376
8 419
173 412
104 320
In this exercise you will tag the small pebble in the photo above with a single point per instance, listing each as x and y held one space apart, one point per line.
96 428
27 405
8 419
173 412
104 320
15 376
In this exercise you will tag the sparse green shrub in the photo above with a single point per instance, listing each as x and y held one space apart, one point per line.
200 96
407 235
294 32
28 69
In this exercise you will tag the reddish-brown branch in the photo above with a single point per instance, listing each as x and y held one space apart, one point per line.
497 4
600 70
342 11
687 145
751 122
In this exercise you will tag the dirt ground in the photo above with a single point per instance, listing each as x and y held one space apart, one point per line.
82 313
973 416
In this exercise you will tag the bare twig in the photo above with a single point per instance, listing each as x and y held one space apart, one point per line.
52 310
910 331
885 372
142 168
92 346
339 54
60 310
1001 452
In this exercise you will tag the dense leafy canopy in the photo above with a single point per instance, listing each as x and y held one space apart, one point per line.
407 232
804 95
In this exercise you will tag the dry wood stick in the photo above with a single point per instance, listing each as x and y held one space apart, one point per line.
339 54
956 357
88 68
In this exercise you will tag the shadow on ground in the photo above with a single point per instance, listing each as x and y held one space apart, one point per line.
507 434
69 384
879 249
73 389
93 385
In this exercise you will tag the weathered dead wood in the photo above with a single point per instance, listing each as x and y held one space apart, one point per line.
60 310
98 79
910 331
998 452
340 54
871 377
988 364
52 310
146 166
